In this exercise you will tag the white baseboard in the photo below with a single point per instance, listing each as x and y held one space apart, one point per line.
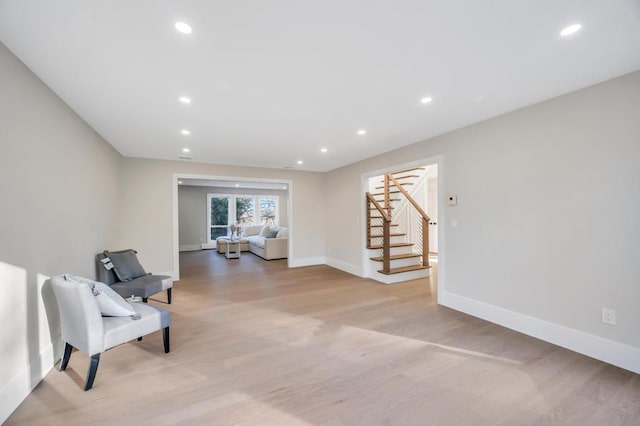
207 246
305 261
346 267
190 247
618 354
18 388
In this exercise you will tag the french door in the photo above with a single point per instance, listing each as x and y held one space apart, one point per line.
218 219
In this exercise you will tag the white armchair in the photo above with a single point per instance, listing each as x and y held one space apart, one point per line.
84 327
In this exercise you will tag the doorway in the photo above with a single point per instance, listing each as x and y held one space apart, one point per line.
416 184
260 198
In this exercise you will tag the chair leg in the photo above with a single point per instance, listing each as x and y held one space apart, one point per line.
169 295
144 299
140 339
66 357
165 340
91 373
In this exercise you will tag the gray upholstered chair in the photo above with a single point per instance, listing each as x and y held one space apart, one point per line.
84 327
143 286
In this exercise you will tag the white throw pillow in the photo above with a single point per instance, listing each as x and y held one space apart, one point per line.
265 230
111 304
75 278
283 233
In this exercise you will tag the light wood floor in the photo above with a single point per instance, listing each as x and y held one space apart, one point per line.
255 343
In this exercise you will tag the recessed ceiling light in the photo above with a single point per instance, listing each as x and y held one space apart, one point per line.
186 150
237 185
183 27
185 132
571 29
185 100
324 150
362 132
300 162
284 187
179 182
426 100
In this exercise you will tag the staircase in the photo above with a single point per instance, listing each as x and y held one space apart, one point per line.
397 227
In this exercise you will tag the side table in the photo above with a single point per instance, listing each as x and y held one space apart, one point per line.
233 249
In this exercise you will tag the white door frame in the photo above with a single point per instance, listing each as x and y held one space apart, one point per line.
176 222
364 184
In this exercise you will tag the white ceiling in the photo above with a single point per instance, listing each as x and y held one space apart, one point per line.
273 82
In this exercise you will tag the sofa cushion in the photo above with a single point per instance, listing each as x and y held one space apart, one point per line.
272 232
250 230
264 231
283 233
256 241
126 264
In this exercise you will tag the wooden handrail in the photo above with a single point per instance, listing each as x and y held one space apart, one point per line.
385 212
378 207
386 233
425 220
409 198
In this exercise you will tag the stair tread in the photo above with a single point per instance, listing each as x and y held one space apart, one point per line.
408 170
380 226
379 246
396 256
382 193
399 234
375 208
406 176
405 269
393 184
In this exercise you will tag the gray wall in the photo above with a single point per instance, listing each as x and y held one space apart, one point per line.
548 209
193 210
59 192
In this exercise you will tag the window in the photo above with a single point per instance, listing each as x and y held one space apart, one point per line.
218 216
268 210
244 210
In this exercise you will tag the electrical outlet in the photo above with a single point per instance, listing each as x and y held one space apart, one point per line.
608 316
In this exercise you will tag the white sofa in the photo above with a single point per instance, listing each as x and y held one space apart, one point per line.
268 241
